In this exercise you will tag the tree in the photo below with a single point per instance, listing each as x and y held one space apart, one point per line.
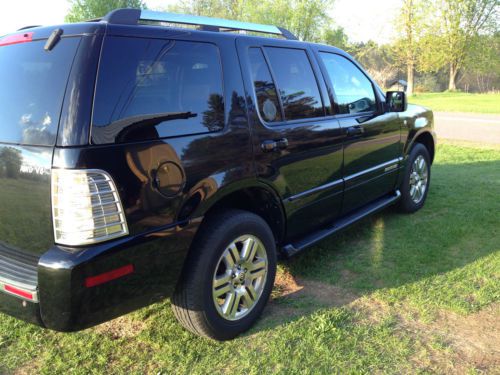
460 23
483 64
336 37
304 18
82 10
377 60
406 48
10 162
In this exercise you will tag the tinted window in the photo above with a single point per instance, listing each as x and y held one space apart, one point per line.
296 83
353 89
267 98
143 81
32 85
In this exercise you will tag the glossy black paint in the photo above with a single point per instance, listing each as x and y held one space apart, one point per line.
321 170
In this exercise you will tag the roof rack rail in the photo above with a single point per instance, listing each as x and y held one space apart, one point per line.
28 27
128 16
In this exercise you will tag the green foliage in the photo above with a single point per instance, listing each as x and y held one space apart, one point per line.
336 37
10 162
453 32
82 10
305 18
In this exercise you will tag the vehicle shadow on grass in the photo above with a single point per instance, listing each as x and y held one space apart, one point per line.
459 225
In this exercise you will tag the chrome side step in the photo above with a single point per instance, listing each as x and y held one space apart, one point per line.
377 205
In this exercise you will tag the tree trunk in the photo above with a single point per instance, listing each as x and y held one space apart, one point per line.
452 86
410 79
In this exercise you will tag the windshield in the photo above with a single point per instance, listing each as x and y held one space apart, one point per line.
32 86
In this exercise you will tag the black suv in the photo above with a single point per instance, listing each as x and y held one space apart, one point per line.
148 154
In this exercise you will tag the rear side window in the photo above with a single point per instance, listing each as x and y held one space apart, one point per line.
151 88
267 97
353 90
296 83
32 86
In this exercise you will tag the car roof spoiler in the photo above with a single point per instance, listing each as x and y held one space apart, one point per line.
129 16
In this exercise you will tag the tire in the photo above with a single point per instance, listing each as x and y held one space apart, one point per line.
415 186
205 298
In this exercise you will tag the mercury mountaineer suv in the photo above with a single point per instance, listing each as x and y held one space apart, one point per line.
147 155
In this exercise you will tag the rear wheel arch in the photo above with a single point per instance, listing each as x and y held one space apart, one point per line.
257 199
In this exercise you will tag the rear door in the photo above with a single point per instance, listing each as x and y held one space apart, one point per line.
32 87
297 144
371 136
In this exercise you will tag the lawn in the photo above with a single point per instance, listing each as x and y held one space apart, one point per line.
394 294
458 102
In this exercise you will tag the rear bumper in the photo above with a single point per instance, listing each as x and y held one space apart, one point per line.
67 301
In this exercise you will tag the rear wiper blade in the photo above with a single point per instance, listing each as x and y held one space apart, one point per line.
127 125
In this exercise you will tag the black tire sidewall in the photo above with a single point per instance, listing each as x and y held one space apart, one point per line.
228 230
407 203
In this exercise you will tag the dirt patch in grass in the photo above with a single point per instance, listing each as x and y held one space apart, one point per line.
122 327
450 343
29 368
290 287
474 339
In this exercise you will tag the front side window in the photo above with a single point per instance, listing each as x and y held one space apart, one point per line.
152 88
353 90
296 83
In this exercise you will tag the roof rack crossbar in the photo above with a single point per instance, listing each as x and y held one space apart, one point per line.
134 16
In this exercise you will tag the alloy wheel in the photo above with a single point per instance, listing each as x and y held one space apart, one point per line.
419 177
239 277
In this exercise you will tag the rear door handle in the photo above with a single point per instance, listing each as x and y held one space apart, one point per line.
355 130
274 145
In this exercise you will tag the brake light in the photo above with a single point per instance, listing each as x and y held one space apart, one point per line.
86 207
16 38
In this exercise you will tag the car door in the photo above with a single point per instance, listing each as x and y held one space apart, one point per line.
297 143
371 136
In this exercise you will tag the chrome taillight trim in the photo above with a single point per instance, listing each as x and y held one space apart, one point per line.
94 177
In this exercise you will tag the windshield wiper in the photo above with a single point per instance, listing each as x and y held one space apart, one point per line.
127 125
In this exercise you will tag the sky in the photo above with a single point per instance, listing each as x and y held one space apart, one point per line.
362 19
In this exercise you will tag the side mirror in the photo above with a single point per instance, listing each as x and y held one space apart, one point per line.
396 101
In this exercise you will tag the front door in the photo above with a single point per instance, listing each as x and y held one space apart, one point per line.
297 143
371 136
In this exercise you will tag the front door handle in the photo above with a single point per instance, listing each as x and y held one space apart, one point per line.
274 145
355 130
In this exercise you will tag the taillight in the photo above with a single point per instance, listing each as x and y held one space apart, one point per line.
86 207
15 39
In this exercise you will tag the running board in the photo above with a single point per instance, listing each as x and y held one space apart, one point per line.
294 248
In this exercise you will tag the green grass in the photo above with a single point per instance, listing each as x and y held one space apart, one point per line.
458 102
445 259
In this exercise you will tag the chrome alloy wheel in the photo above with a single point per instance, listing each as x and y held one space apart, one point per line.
419 176
240 277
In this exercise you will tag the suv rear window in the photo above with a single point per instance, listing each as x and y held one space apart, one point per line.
143 81
32 86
